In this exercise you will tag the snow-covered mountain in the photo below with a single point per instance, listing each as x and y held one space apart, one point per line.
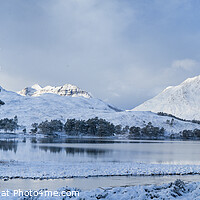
37 108
65 90
182 101
37 105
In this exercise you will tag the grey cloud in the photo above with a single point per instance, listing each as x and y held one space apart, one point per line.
120 51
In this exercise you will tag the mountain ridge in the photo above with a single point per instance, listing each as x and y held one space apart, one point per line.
181 100
49 106
65 90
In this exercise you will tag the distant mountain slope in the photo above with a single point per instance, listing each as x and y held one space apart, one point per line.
31 109
65 90
182 101
39 105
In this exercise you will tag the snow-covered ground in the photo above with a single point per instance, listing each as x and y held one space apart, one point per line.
176 190
43 170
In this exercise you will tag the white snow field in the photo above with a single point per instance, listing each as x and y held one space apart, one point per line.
37 108
181 101
45 170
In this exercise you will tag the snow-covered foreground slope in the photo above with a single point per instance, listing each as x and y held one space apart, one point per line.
181 101
31 109
176 190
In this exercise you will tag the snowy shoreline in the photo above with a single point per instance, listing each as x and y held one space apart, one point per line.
9 170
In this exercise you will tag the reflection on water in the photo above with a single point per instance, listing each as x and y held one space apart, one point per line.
51 149
8 145
79 140
33 140
73 151
92 152
64 150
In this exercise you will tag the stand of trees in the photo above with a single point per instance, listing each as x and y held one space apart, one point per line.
9 124
190 134
48 127
148 131
95 127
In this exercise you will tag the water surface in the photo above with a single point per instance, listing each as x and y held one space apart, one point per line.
60 150
102 150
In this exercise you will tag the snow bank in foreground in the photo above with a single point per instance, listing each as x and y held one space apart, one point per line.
176 190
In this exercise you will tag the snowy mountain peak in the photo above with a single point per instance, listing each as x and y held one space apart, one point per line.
65 90
192 80
181 100
36 87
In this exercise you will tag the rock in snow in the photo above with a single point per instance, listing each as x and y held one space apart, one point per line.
181 101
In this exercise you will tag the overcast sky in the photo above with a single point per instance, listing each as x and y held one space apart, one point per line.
122 51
